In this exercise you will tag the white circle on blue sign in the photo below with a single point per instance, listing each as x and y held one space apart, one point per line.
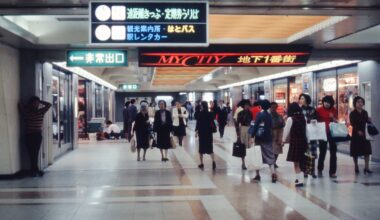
103 32
103 13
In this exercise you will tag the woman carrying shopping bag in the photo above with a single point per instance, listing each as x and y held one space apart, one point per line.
244 121
310 115
295 132
327 113
262 132
360 146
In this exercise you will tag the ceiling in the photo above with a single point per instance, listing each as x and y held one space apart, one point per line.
338 25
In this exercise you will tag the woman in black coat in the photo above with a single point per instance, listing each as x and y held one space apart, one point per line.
141 128
360 146
205 120
163 125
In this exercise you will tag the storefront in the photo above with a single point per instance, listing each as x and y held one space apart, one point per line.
280 94
343 85
257 91
295 88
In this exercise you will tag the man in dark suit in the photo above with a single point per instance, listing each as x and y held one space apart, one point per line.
222 114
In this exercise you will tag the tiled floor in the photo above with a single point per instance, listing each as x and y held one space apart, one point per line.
104 181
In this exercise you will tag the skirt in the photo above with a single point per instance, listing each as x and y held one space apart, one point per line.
297 152
267 153
163 140
244 136
360 146
277 139
205 143
142 140
179 131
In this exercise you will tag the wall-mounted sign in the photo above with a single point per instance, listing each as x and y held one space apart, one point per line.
129 87
148 23
226 55
96 58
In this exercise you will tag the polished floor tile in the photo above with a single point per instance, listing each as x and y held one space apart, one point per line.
105 181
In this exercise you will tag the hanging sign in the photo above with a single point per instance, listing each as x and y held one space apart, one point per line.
149 23
129 87
96 58
226 55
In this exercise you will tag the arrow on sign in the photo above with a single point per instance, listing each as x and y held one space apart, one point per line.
74 58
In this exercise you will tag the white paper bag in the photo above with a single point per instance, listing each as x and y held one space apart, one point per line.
133 144
367 135
316 131
338 130
254 158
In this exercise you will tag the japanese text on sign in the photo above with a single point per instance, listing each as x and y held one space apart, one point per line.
167 14
267 59
96 58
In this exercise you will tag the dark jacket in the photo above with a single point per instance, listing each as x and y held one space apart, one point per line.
265 118
222 115
163 129
132 112
309 113
125 118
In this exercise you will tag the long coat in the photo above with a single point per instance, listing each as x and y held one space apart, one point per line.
297 139
204 130
141 128
163 129
359 146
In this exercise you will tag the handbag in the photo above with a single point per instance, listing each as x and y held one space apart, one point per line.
316 131
239 150
338 130
255 158
133 145
372 130
213 127
172 143
368 136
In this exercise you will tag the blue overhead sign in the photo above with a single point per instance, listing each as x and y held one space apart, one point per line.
149 23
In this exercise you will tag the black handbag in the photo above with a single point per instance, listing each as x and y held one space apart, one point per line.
238 150
372 130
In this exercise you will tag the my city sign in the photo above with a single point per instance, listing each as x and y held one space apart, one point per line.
226 55
149 23
96 58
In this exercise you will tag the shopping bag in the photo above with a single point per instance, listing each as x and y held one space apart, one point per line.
254 158
238 150
368 136
133 145
309 163
172 143
338 130
372 130
316 131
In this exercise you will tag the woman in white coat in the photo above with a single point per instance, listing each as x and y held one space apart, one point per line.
179 115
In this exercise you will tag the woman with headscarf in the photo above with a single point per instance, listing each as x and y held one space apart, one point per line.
141 128
262 132
295 132
204 132
163 125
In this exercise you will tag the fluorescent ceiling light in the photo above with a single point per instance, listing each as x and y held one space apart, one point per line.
85 74
307 69
207 77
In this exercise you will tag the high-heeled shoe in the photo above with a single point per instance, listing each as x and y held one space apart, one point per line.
256 179
213 165
243 167
357 170
201 166
367 171
298 184
274 178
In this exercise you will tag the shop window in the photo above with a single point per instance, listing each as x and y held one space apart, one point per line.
82 106
347 90
295 88
280 92
326 86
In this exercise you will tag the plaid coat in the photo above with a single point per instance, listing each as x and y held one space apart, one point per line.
297 139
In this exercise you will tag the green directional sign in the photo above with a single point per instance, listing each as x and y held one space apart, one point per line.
129 87
96 58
